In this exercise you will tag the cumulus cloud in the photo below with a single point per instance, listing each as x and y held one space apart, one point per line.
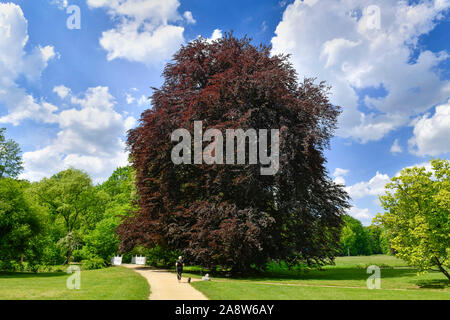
143 101
61 91
340 172
217 34
60 3
396 148
143 32
339 175
361 214
344 43
425 165
16 62
373 187
432 133
366 191
89 138
189 18
130 99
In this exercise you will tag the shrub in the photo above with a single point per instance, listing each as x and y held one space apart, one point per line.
161 257
93 263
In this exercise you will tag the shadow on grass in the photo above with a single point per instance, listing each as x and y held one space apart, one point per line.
434 284
325 274
23 275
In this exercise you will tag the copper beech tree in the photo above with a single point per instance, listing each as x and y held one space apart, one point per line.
230 215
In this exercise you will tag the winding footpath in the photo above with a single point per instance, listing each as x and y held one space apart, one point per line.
164 285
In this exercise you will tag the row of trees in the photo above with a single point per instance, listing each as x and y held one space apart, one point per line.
358 240
64 218
416 223
60 218
224 215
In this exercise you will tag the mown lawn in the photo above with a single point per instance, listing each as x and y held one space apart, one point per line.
115 283
345 280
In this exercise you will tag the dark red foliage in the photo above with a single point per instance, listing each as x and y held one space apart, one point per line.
231 215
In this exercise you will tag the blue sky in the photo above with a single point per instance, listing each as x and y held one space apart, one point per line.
69 95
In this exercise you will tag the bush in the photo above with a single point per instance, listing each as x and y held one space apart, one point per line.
102 241
280 267
157 256
161 257
17 266
93 263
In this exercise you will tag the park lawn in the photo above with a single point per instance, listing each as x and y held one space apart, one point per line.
345 280
236 290
114 283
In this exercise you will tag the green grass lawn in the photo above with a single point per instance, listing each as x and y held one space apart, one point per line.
115 283
345 280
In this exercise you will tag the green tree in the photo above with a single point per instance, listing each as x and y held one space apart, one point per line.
121 186
19 223
354 238
101 242
10 159
120 194
378 240
417 205
71 200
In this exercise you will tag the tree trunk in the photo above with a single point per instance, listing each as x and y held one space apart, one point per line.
439 264
69 253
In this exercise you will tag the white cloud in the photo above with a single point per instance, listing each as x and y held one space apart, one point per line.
189 18
263 26
373 187
426 165
60 3
89 138
217 34
143 32
361 214
339 180
61 91
432 133
339 42
339 175
340 172
130 123
130 98
14 62
142 101
396 148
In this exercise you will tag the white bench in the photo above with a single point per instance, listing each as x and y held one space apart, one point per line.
116 260
138 260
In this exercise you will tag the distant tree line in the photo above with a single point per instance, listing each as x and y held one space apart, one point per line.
66 218
62 219
359 240
59 219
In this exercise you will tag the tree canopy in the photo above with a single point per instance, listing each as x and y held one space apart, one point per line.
19 223
70 197
417 205
10 159
230 215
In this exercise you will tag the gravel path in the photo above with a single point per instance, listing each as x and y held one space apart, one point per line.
164 284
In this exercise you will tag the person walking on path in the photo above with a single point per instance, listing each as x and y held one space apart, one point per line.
179 264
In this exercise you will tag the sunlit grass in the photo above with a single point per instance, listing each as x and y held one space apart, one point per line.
347 279
115 283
